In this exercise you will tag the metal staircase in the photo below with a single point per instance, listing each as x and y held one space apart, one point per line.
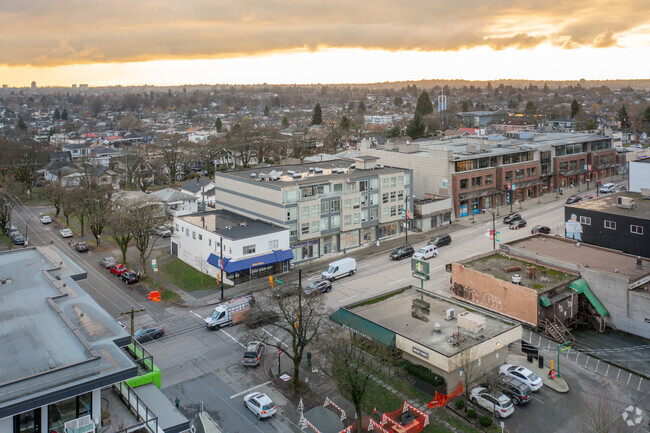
557 331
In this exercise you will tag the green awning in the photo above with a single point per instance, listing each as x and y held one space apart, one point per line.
364 327
544 301
581 286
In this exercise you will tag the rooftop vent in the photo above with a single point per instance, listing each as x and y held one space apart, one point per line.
296 175
626 203
291 172
318 170
253 175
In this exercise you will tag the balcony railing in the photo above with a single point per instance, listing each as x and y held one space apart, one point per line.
141 411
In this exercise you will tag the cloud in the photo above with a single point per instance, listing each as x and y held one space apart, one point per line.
46 33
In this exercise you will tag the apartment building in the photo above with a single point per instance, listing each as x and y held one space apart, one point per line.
327 206
487 171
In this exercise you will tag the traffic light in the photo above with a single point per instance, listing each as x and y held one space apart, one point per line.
271 280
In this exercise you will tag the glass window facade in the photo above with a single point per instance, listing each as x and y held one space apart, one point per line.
67 410
474 164
518 157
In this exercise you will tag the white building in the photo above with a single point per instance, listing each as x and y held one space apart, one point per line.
176 202
251 248
640 174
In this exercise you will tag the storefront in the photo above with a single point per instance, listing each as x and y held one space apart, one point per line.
329 244
350 239
369 235
250 268
389 229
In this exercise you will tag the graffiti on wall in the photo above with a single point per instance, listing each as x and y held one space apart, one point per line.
477 297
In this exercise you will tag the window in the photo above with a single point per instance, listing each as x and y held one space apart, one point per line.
347 220
585 220
508 175
292 213
193 234
304 228
610 225
273 245
176 227
356 218
393 211
384 197
464 183
304 212
393 196
248 249
603 159
364 200
364 215
293 229
564 165
573 165
347 204
519 174
209 242
489 179
324 208
200 237
338 187
314 210
356 203
335 206
533 171
393 181
384 182
384 212
637 230
290 196
374 214
187 232
400 181
477 181
374 199
374 184
407 178
363 185
518 157
474 164
324 223
400 195
336 221
314 226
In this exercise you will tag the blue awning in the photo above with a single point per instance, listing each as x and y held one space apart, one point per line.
231 266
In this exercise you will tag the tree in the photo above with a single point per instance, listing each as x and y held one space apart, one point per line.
646 114
145 216
393 131
530 108
465 106
218 124
68 203
57 114
361 109
120 225
398 101
266 111
345 124
575 108
54 193
622 117
173 156
285 122
416 127
6 206
64 115
600 415
208 153
79 207
317 116
21 125
97 200
424 105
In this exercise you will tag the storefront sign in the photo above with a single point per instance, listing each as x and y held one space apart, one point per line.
421 353
305 244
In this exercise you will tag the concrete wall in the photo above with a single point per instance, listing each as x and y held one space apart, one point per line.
639 174
639 303
496 295
7 425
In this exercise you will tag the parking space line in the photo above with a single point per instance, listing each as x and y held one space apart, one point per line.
347 299
233 338
538 400
250 389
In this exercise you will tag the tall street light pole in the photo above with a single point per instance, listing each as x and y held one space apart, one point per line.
221 263
494 229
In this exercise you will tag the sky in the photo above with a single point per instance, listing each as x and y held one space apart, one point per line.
164 42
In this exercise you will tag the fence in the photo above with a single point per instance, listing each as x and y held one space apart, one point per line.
141 411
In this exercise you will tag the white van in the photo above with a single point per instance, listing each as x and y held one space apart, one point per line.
608 187
340 268
426 252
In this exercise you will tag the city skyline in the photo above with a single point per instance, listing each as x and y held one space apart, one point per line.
288 41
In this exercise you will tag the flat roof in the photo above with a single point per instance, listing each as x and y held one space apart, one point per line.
608 203
394 313
584 255
231 225
54 336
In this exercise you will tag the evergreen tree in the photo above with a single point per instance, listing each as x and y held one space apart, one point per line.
393 131
218 124
416 128
57 115
266 111
21 125
546 89
345 124
64 114
276 101
622 117
317 117
646 114
575 108
361 109
530 108
398 101
351 106
424 105
285 122
465 105
489 86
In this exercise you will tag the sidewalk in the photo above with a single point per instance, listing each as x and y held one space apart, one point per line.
558 384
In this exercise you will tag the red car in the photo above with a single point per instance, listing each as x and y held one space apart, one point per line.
118 269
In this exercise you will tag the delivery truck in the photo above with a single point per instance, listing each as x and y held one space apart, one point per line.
230 312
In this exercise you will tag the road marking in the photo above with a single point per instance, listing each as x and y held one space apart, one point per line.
250 389
396 281
233 338
538 400
196 315
276 338
347 299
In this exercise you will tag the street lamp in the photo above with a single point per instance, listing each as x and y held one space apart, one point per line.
494 230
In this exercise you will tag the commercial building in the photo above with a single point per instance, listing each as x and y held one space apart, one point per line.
251 248
619 221
488 171
327 206
430 330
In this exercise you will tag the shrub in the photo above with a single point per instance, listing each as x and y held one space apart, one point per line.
485 421
423 373
460 404
471 413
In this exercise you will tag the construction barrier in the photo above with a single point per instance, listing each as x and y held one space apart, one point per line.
440 400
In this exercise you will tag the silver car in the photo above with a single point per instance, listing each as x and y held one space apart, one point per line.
107 262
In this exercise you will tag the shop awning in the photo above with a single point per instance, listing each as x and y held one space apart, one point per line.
607 165
581 286
364 327
477 194
232 266
544 301
572 172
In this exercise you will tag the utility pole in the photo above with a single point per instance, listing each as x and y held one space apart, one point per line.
132 314
494 230
221 263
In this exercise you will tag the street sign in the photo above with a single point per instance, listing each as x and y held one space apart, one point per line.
514 187
498 236
279 352
419 266
423 277
153 264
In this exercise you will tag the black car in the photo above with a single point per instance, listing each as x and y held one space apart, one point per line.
285 290
517 224
540 229
512 217
18 239
130 277
81 247
317 287
440 241
518 392
259 318
402 252
142 335
573 199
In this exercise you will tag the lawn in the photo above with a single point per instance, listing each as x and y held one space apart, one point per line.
186 277
5 239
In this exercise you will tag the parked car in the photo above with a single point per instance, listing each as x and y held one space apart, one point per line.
426 252
162 231
512 217
619 188
608 187
66 233
402 252
318 287
540 229
253 353
494 401
517 224
130 277
259 318
523 375
81 247
46 219
18 239
340 268
107 262
11 229
142 335
118 269
260 404
285 290
573 199
517 391
440 241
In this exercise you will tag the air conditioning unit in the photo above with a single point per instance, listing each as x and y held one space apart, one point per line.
626 203
450 314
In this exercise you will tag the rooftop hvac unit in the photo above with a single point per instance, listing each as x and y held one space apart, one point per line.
471 322
471 148
291 172
450 314
296 175
253 175
318 170
626 203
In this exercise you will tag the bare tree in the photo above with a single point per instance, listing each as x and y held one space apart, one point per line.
68 203
145 216
173 156
467 360
600 415
54 192
98 204
120 225
6 206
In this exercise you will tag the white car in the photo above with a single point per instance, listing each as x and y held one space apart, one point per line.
522 374
162 231
494 401
426 252
608 187
66 233
46 219
260 404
